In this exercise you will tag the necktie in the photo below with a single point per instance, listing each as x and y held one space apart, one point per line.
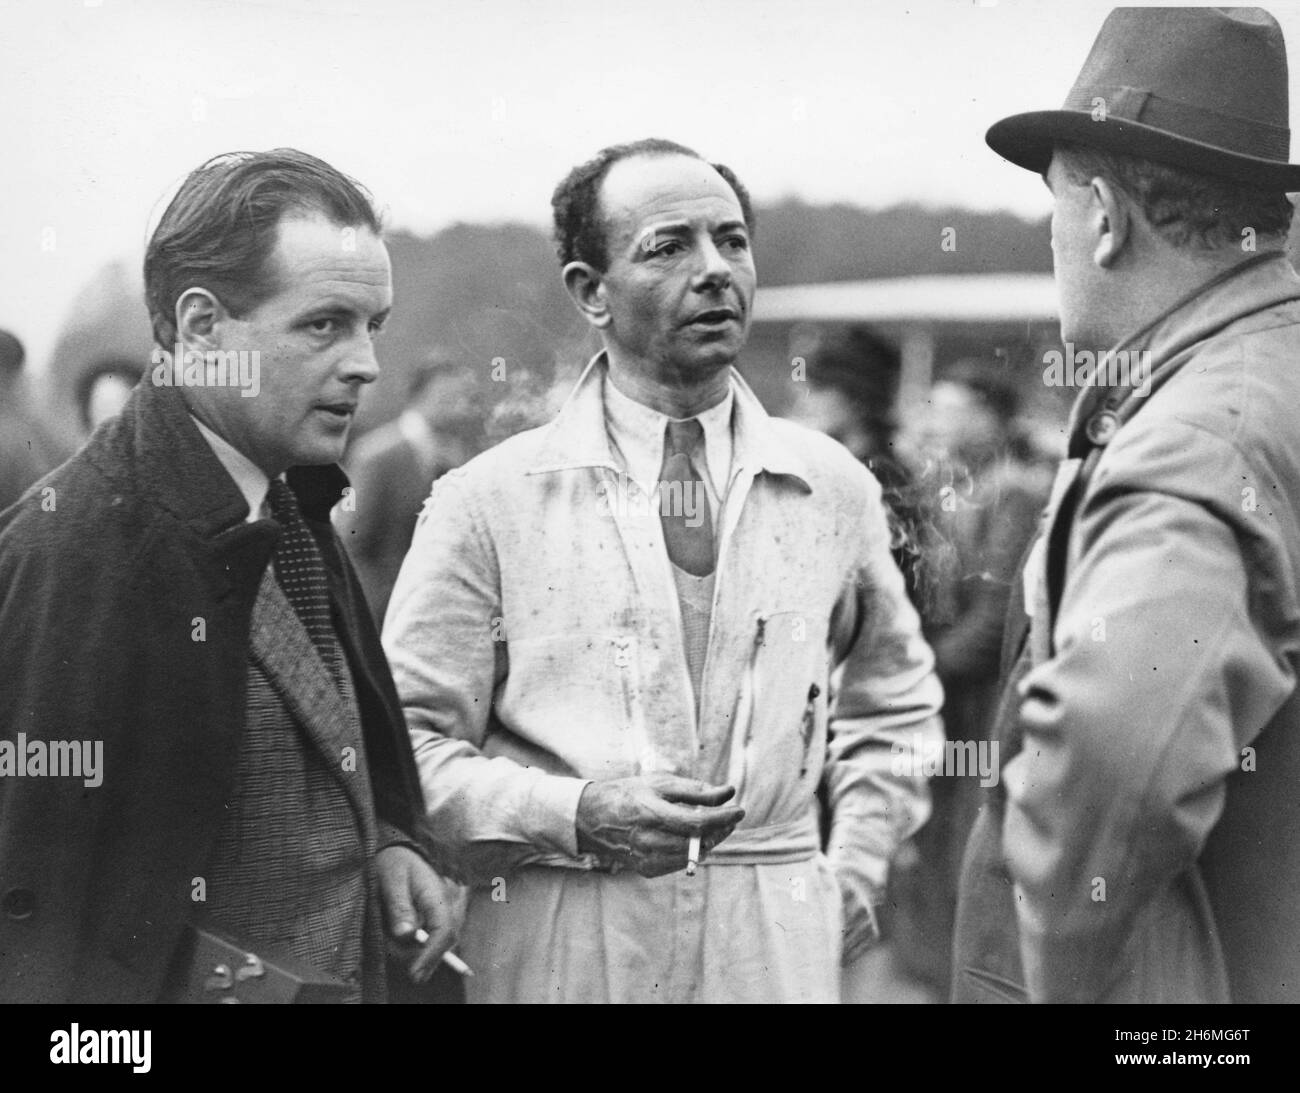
683 504
300 572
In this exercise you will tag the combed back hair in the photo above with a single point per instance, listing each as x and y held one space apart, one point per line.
1188 209
579 222
221 228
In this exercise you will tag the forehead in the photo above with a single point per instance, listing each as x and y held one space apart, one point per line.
314 256
646 189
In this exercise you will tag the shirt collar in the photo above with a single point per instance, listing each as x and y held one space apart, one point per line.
636 432
579 437
249 477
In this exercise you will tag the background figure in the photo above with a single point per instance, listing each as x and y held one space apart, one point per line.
852 396
28 448
103 390
985 491
393 468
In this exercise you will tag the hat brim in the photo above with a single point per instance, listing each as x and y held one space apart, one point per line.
1027 141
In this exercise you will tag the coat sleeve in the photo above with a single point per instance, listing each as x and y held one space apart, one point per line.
1159 678
445 641
883 721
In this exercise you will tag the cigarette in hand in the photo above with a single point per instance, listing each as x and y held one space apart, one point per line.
692 855
421 937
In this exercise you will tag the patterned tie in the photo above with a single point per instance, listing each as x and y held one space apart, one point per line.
300 572
684 508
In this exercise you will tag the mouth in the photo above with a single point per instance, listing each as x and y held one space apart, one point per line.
713 317
338 411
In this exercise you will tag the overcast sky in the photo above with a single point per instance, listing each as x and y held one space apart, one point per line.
472 109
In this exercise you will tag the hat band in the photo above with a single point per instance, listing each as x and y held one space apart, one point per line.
1203 124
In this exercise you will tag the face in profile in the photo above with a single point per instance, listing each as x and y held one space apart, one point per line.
1071 253
315 336
680 280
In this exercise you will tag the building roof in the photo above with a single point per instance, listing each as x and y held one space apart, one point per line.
959 297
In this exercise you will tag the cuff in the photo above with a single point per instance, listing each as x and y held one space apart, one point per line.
554 804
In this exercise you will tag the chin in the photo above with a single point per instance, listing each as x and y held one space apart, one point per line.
319 454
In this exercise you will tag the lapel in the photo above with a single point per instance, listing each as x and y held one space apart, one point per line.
281 645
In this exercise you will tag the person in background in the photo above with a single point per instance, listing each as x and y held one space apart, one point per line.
28 448
851 395
393 467
984 490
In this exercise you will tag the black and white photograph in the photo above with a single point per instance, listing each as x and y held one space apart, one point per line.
788 501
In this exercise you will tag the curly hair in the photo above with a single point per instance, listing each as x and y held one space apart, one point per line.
579 226
220 228
1186 208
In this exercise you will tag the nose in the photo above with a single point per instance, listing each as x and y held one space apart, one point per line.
360 365
715 270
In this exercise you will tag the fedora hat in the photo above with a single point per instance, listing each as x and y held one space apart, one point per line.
1204 89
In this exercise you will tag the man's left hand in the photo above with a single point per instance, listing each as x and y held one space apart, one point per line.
415 897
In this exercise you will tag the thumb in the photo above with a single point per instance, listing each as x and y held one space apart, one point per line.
691 791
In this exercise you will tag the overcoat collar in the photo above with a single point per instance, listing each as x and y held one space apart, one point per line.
176 469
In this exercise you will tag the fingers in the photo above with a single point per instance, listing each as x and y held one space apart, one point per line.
440 940
399 907
438 908
687 821
656 853
690 791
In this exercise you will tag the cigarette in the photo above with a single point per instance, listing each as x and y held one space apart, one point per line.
692 855
456 964
421 937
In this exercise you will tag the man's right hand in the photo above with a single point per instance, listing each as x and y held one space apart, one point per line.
646 823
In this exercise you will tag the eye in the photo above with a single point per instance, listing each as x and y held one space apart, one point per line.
324 326
376 327
667 248
737 242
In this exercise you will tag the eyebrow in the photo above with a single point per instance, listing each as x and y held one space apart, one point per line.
337 306
678 227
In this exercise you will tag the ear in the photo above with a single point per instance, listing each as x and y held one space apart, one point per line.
1112 220
586 286
198 314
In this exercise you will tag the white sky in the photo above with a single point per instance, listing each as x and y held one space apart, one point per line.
472 109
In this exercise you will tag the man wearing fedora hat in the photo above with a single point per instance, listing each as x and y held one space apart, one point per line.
1143 844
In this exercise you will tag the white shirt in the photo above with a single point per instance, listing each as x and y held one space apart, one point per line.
249 477
636 433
